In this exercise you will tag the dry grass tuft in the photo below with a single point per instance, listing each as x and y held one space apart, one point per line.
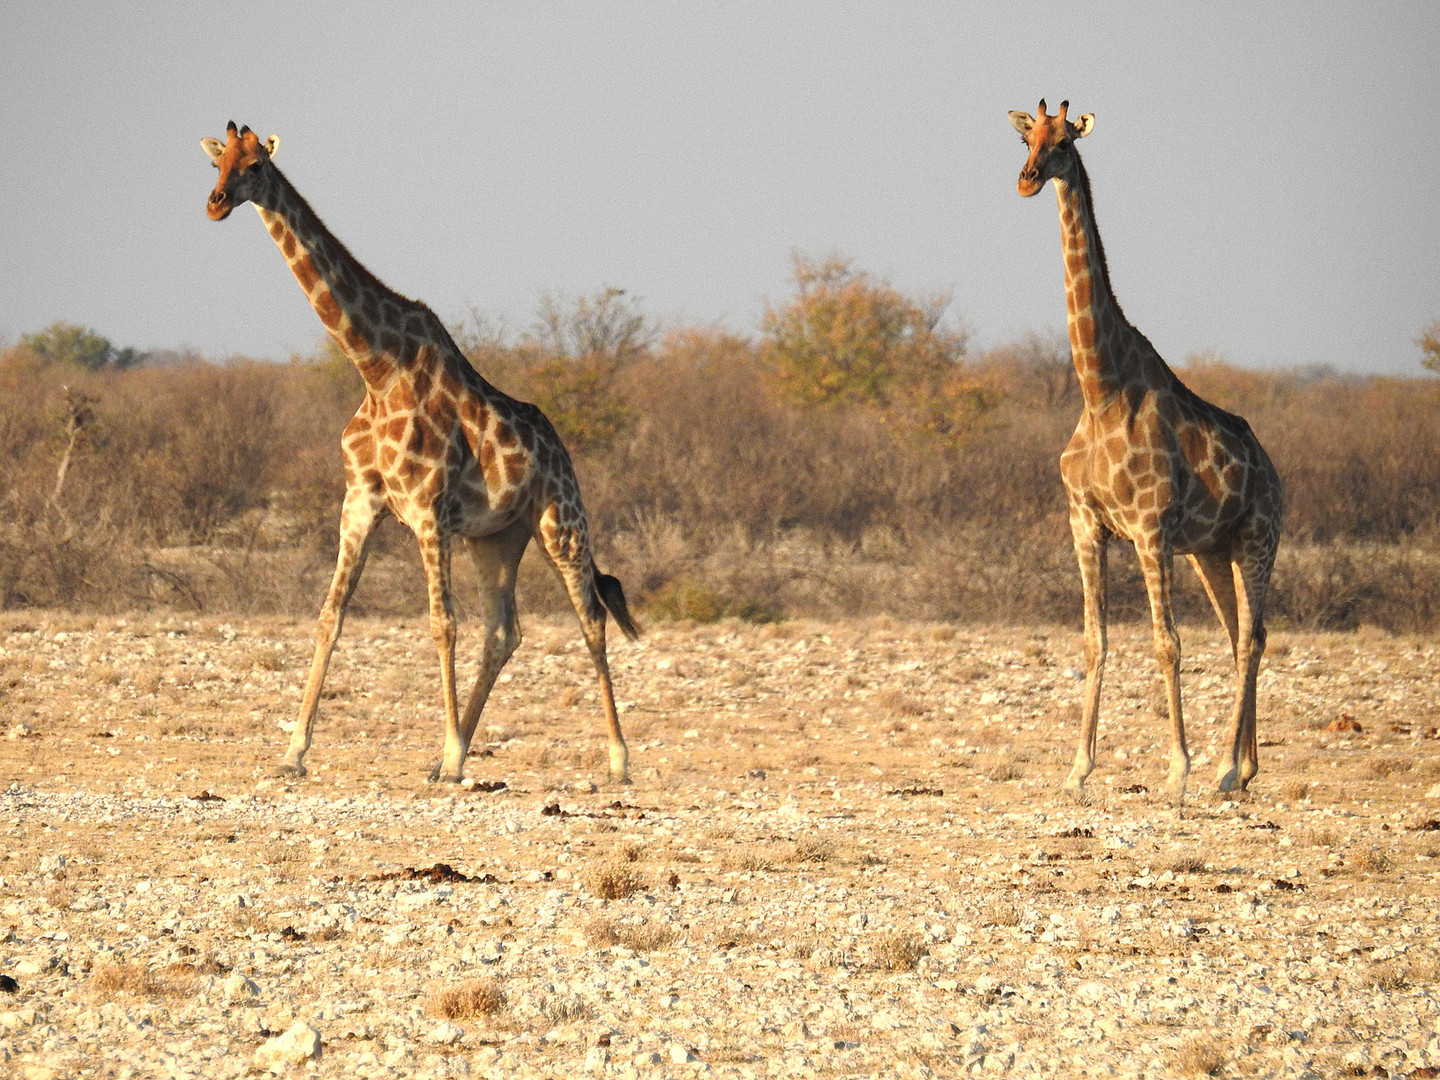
602 933
1189 863
613 880
476 999
900 703
559 1011
896 950
1384 768
112 978
1201 1056
1007 914
1000 769
747 860
814 849
1295 790
1386 976
1372 860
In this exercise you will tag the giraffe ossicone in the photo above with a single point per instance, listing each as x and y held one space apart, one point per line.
1153 463
438 447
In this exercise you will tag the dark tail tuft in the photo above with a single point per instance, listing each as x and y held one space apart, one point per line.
613 597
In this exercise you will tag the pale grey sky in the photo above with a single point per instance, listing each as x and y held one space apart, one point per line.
1264 174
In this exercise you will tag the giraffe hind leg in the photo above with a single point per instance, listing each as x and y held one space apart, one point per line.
1217 576
497 562
1157 564
592 595
1252 580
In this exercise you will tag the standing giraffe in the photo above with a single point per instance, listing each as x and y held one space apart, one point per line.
1153 463
437 446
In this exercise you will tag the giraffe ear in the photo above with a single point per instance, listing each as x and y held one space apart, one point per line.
213 147
1023 121
272 144
1083 125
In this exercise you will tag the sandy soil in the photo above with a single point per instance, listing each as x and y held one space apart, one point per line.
844 853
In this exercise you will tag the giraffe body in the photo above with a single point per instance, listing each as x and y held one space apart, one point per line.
1153 463
438 447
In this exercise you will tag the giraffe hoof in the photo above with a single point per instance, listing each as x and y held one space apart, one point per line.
438 775
288 770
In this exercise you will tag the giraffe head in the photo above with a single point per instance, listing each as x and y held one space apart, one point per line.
1051 141
242 160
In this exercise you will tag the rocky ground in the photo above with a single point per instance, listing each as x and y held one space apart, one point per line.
844 853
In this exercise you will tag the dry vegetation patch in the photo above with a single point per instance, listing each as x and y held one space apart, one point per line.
474 999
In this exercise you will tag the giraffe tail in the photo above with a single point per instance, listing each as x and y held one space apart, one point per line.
612 596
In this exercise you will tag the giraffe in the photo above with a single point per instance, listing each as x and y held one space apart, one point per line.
437 446
1153 463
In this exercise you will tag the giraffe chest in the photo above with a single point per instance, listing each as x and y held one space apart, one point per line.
466 471
1147 482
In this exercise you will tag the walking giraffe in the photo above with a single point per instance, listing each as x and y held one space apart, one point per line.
437 446
1152 463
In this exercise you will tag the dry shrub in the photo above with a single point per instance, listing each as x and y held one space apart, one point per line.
217 487
897 950
476 999
613 879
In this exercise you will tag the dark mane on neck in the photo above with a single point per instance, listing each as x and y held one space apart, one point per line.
303 209
1100 262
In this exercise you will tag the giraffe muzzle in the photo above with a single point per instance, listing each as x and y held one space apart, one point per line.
217 207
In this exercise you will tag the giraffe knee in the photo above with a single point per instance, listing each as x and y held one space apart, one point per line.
442 631
1167 648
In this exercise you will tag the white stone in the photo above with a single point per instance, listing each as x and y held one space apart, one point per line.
446 1033
596 1058
295 1047
240 987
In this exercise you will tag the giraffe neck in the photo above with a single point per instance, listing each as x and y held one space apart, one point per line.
363 316
1108 352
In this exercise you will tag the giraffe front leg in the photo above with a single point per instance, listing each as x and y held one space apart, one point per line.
435 554
358 519
1091 551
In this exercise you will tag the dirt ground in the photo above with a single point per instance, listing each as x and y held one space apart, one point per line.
845 852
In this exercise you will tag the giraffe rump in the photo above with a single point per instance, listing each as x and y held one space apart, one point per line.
611 596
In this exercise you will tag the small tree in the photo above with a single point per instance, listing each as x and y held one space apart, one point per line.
849 339
67 343
581 350
1429 343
